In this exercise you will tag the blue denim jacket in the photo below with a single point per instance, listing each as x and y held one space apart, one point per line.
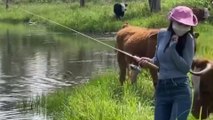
171 64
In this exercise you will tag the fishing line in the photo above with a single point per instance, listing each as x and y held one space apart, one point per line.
74 30
126 53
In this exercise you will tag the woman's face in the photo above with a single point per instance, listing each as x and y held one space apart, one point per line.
180 29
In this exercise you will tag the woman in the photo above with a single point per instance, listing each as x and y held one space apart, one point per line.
174 56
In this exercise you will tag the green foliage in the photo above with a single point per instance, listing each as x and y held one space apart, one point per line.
87 19
204 42
198 3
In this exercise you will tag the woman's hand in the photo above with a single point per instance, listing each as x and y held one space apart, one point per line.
144 61
146 58
174 40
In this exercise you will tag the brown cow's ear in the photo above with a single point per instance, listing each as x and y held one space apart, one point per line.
203 64
126 24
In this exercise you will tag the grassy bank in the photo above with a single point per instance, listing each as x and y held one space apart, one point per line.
91 18
103 99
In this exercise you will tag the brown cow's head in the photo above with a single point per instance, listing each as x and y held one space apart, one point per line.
201 13
203 64
126 24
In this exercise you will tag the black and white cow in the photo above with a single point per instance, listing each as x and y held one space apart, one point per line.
119 10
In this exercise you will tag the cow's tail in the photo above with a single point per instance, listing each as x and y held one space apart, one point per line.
119 44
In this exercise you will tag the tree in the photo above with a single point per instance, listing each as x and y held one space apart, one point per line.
154 5
7 4
82 3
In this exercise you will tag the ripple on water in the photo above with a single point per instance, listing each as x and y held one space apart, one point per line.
16 114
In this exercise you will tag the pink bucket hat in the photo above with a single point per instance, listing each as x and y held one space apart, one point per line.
184 15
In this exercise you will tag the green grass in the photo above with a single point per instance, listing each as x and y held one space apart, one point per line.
204 42
93 18
111 102
103 99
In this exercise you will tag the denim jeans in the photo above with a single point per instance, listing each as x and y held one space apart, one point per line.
173 99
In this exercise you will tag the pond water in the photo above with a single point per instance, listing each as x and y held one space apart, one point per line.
34 61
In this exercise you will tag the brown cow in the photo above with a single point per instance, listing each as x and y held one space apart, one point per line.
136 41
203 85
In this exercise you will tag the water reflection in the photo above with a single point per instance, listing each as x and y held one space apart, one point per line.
34 62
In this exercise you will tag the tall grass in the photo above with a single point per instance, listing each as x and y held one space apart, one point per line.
103 99
204 42
94 18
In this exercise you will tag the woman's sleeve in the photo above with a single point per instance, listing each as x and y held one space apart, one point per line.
155 59
184 63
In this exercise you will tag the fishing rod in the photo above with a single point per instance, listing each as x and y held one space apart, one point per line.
126 53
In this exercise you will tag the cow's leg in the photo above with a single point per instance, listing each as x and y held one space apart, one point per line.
196 106
205 112
135 70
154 76
199 107
205 105
122 67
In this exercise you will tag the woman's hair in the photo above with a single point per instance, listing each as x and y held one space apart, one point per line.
181 40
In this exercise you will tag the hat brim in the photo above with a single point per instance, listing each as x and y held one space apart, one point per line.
186 21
